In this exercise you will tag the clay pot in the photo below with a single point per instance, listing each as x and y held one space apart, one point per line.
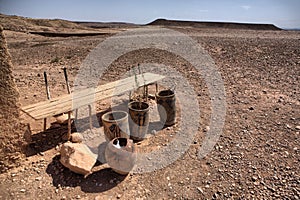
138 120
166 100
120 155
115 124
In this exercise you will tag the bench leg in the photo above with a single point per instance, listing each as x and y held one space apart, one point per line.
69 126
76 114
129 96
90 117
45 124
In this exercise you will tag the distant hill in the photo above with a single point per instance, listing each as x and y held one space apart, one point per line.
107 24
24 24
51 27
229 25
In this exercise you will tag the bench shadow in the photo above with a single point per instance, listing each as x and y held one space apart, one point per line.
97 182
48 139
54 135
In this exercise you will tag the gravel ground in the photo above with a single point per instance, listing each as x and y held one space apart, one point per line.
256 157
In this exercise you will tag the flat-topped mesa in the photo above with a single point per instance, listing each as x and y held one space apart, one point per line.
229 25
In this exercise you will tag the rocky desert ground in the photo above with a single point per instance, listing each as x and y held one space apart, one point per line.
256 157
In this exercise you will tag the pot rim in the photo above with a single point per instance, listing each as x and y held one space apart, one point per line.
112 113
165 96
145 109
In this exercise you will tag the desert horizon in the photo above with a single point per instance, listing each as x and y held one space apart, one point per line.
235 92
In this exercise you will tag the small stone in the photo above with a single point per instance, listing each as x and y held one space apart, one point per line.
200 190
288 126
272 189
168 178
153 132
297 127
78 197
168 128
63 118
119 196
215 196
256 183
38 178
206 129
254 178
76 137
22 190
251 108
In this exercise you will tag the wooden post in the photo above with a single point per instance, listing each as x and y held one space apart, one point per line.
156 87
48 97
70 112
67 81
144 91
147 93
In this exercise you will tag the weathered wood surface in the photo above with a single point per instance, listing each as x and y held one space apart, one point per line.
88 96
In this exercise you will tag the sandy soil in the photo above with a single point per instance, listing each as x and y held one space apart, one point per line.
257 155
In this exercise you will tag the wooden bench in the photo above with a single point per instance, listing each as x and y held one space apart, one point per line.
65 103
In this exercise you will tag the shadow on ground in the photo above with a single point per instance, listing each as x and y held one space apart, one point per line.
99 181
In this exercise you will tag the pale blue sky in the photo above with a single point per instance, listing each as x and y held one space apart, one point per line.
283 13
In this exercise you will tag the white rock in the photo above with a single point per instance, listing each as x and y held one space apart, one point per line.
76 137
206 129
63 118
77 157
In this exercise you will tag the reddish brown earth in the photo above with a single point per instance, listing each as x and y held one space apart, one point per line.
257 155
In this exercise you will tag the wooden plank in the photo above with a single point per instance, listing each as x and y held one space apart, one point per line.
88 96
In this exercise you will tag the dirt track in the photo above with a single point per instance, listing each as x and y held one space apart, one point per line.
257 156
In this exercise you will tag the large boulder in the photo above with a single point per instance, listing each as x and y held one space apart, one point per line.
78 158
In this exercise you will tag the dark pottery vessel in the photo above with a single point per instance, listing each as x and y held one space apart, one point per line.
138 120
166 101
115 124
